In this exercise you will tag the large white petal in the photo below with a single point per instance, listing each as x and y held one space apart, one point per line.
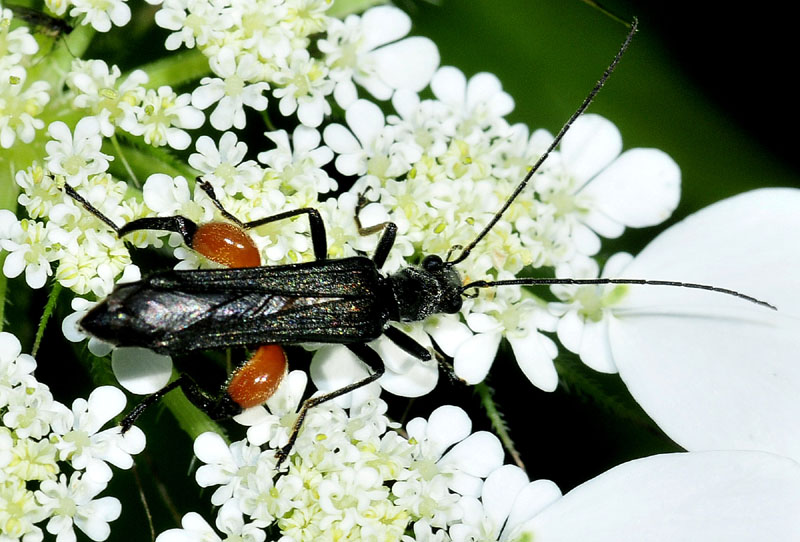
640 188
590 145
139 370
711 496
383 24
407 64
714 371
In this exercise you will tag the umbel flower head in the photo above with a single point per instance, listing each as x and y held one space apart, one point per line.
341 109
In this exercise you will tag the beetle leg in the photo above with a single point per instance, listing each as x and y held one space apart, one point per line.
365 354
217 407
317 226
177 224
363 202
389 232
406 343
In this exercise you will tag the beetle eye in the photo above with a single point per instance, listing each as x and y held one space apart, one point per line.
432 263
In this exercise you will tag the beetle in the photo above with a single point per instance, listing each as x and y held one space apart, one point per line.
346 301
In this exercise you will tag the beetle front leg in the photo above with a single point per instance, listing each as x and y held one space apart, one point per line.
389 229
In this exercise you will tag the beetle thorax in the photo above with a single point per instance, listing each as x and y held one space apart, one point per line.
432 288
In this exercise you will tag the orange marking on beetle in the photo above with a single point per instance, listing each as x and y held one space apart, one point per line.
226 244
257 380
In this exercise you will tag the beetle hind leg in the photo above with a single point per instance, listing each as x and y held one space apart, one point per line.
364 353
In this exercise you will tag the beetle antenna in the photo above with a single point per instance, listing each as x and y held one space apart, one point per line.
521 186
546 281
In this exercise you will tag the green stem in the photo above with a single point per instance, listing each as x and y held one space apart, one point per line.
48 312
268 121
9 190
190 418
141 162
342 8
124 161
177 68
486 395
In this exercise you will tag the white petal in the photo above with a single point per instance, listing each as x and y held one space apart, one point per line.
586 240
479 454
535 354
640 188
485 88
340 139
570 331
595 349
407 64
106 402
334 367
139 370
210 448
418 380
449 85
448 332
500 491
383 24
714 371
603 224
475 356
713 496
447 425
366 120
590 145
533 498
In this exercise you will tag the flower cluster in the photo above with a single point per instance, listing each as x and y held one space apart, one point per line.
348 477
54 461
256 45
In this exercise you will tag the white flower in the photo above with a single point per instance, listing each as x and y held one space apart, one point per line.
20 106
605 190
18 43
360 50
298 164
224 166
193 21
96 88
227 467
236 86
521 322
229 521
74 502
479 102
347 474
76 156
266 424
370 149
302 85
86 447
101 14
161 116
34 486
507 500
29 249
